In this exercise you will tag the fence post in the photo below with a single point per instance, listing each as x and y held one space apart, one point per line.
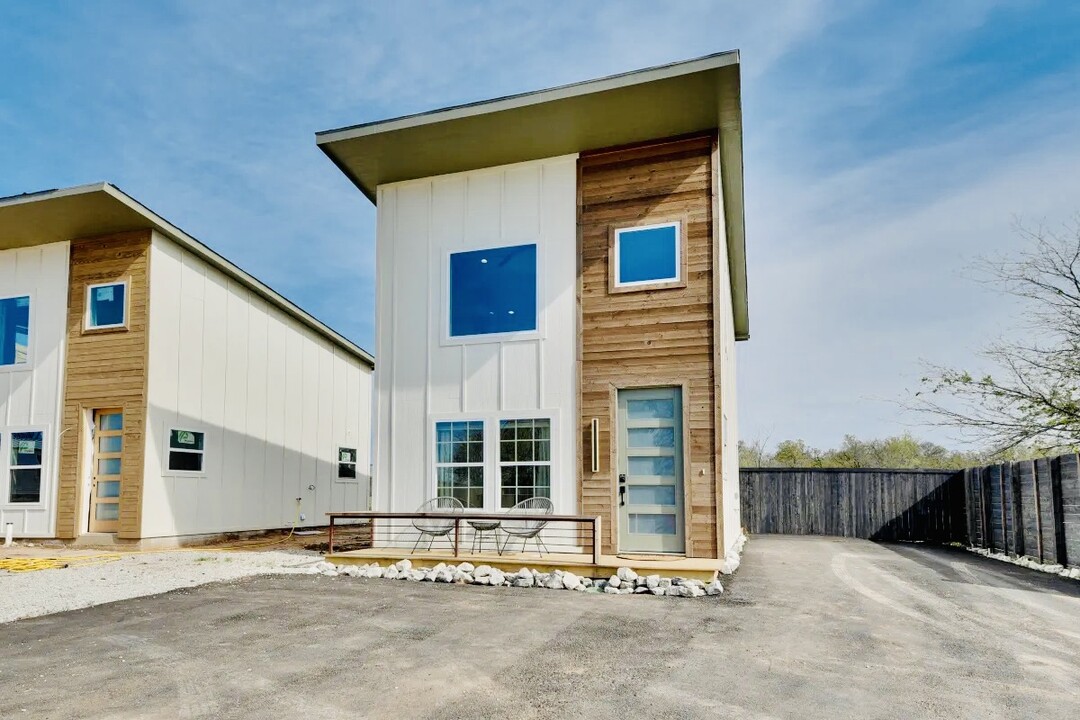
330 538
987 501
1019 543
596 540
1038 509
1061 551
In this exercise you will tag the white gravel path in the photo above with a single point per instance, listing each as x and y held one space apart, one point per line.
43 592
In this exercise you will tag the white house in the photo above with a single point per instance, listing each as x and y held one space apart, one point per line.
561 282
149 388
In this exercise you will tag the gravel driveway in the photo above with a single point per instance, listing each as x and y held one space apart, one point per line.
49 591
809 628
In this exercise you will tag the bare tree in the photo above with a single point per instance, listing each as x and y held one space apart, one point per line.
1033 399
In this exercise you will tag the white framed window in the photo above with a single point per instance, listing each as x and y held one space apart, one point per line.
524 460
492 293
14 330
647 255
25 465
186 451
106 305
346 463
459 461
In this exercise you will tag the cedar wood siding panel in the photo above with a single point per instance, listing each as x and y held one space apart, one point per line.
105 369
649 338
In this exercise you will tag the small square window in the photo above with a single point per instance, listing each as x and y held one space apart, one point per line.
346 464
14 330
186 450
106 306
493 291
647 255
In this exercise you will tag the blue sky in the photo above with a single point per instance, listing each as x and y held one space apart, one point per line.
887 146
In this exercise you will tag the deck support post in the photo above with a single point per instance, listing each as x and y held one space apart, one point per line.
330 539
596 540
457 537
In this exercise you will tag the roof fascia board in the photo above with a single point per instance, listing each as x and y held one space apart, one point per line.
613 82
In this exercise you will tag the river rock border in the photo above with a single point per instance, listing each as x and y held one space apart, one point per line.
624 582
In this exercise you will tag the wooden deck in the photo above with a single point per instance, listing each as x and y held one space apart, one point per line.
704 569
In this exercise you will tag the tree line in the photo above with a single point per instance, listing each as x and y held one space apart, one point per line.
901 452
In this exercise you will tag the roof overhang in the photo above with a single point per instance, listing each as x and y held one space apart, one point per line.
670 100
103 209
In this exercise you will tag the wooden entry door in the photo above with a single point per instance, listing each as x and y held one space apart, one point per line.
650 481
108 439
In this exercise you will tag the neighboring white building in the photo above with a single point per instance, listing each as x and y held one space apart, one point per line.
561 282
149 388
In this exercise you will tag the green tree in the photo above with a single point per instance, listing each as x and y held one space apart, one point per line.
1031 403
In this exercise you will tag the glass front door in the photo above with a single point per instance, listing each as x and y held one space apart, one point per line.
108 439
650 478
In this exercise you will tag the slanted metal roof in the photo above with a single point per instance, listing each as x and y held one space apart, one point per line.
659 102
101 209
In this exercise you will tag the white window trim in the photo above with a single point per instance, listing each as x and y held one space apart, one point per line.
654 281
444 310
165 470
127 305
492 488
499 464
6 435
483 464
29 364
354 463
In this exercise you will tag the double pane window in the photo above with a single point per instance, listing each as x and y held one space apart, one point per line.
186 450
346 463
25 467
459 461
524 460
14 330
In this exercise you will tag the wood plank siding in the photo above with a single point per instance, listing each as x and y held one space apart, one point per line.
649 338
105 369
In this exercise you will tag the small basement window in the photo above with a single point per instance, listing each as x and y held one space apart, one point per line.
14 330
106 306
25 484
186 449
647 255
493 291
346 469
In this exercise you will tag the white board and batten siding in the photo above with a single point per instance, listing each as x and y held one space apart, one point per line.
425 377
728 410
31 394
274 398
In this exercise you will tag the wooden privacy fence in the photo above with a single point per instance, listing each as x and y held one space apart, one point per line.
899 505
1027 508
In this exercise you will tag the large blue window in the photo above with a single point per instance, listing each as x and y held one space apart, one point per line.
493 291
14 330
106 305
646 255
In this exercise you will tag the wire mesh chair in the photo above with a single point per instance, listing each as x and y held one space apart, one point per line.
528 529
437 527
